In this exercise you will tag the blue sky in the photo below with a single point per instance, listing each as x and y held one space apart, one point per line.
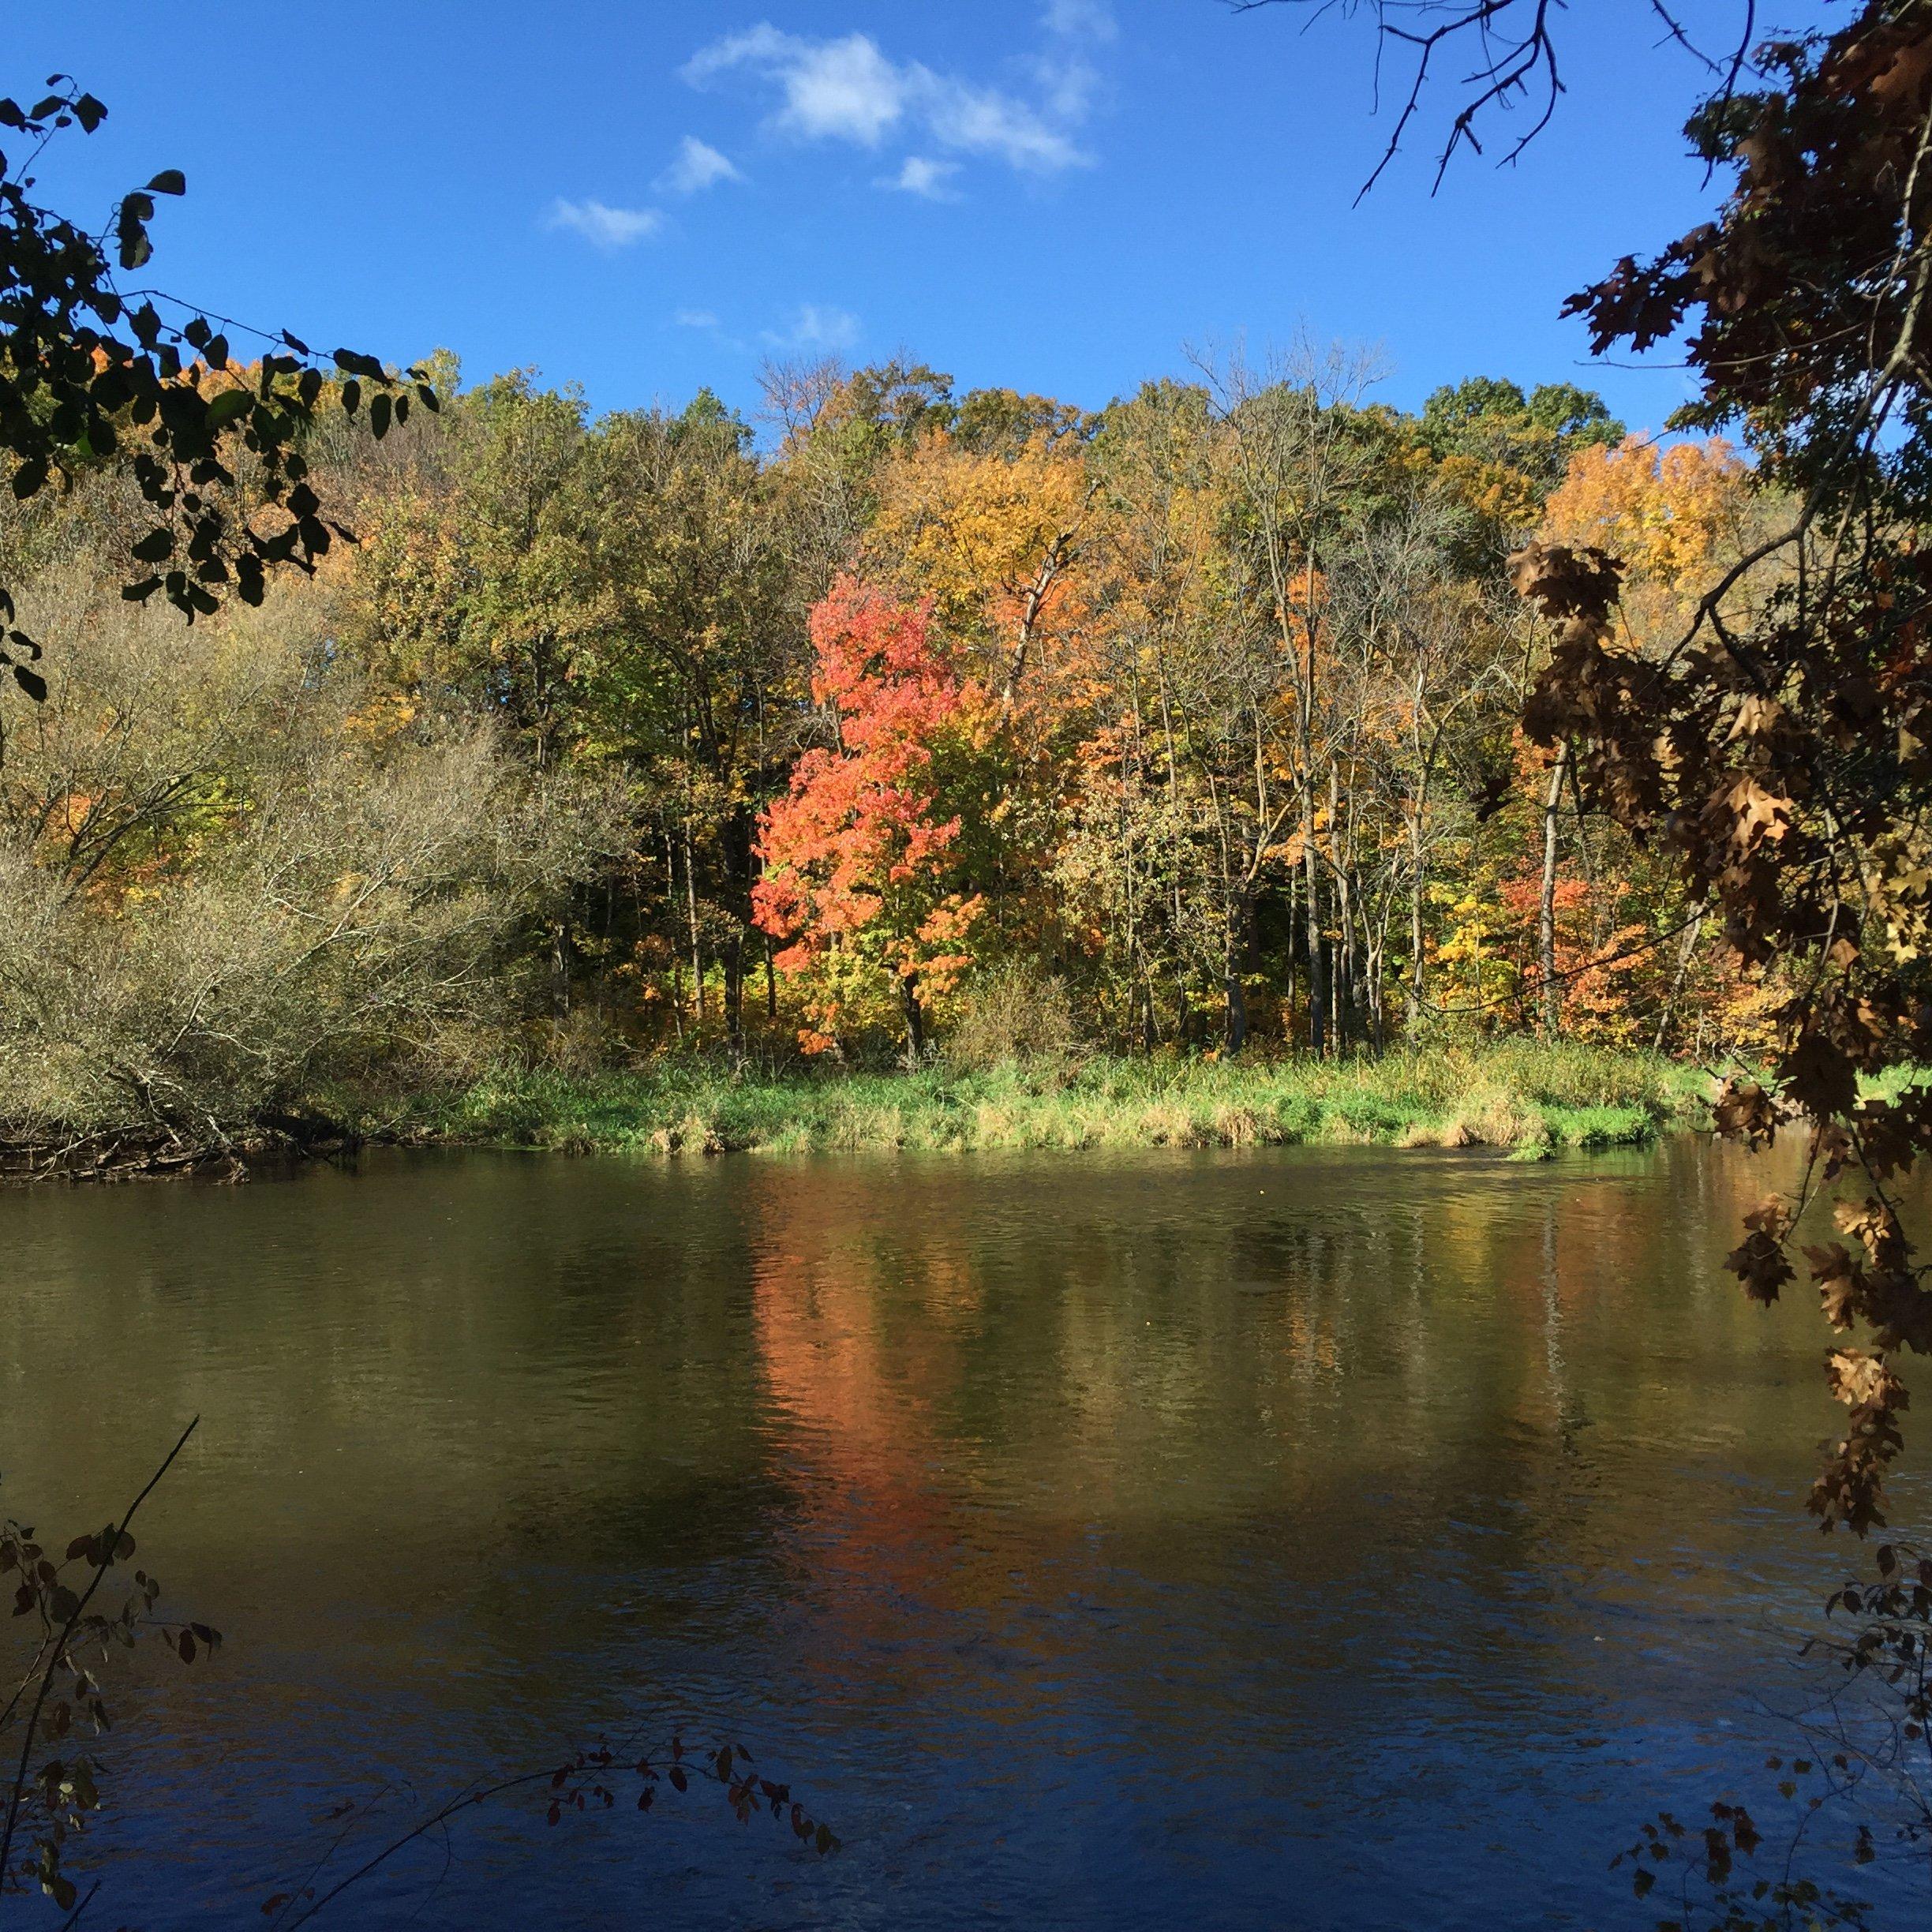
1057 195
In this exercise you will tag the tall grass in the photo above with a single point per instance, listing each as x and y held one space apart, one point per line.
1523 1095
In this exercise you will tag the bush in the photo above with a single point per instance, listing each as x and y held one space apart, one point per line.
227 888
1008 1015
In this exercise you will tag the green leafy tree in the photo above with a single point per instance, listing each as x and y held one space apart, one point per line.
95 369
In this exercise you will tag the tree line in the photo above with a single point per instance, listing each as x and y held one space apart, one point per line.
1190 723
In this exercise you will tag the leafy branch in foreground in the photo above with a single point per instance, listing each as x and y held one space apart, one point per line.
93 373
1779 751
61 1689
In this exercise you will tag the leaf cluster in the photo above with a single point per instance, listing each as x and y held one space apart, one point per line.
95 373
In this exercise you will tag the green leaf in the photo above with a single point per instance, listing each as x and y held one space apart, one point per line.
224 408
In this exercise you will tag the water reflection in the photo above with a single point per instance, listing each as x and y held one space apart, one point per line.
1340 1538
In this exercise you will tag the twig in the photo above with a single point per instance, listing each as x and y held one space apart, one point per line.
15 1796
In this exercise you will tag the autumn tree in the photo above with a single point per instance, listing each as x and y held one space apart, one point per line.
861 880
1305 460
1429 650
1776 751
1134 863
696 663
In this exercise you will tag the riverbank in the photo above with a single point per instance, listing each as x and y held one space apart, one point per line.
1523 1096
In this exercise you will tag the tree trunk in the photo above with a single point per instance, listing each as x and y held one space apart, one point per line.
559 968
1311 894
1418 893
738 831
1546 913
1677 980
691 909
677 958
1235 1034
914 1018
1294 968
1339 951
1377 1019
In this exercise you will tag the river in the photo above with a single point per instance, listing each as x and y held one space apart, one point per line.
1347 1538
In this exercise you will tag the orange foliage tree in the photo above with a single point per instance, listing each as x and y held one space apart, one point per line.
861 876
1677 517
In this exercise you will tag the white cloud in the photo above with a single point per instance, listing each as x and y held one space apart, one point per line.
604 227
839 90
695 319
979 121
919 175
698 165
847 89
816 326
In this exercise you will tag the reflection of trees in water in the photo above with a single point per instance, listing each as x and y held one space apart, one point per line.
1304 1334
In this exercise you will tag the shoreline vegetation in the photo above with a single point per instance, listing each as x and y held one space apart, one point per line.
1523 1097
1527 1099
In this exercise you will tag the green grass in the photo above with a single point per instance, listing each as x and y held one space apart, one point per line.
1527 1097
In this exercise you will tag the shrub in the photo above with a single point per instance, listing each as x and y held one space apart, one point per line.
227 890
1008 1015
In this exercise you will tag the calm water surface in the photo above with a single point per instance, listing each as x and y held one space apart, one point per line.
1340 1538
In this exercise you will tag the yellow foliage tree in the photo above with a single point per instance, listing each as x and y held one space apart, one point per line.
992 540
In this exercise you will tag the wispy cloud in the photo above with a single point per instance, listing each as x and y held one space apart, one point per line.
815 326
919 175
1069 79
697 166
604 227
1081 20
849 89
695 319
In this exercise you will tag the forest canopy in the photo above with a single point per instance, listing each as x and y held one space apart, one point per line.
617 735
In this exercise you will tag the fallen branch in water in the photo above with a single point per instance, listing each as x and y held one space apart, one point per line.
165 1151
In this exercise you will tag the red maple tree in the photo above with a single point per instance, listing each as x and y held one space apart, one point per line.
861 871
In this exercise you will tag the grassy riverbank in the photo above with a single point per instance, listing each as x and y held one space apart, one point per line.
1521 1095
